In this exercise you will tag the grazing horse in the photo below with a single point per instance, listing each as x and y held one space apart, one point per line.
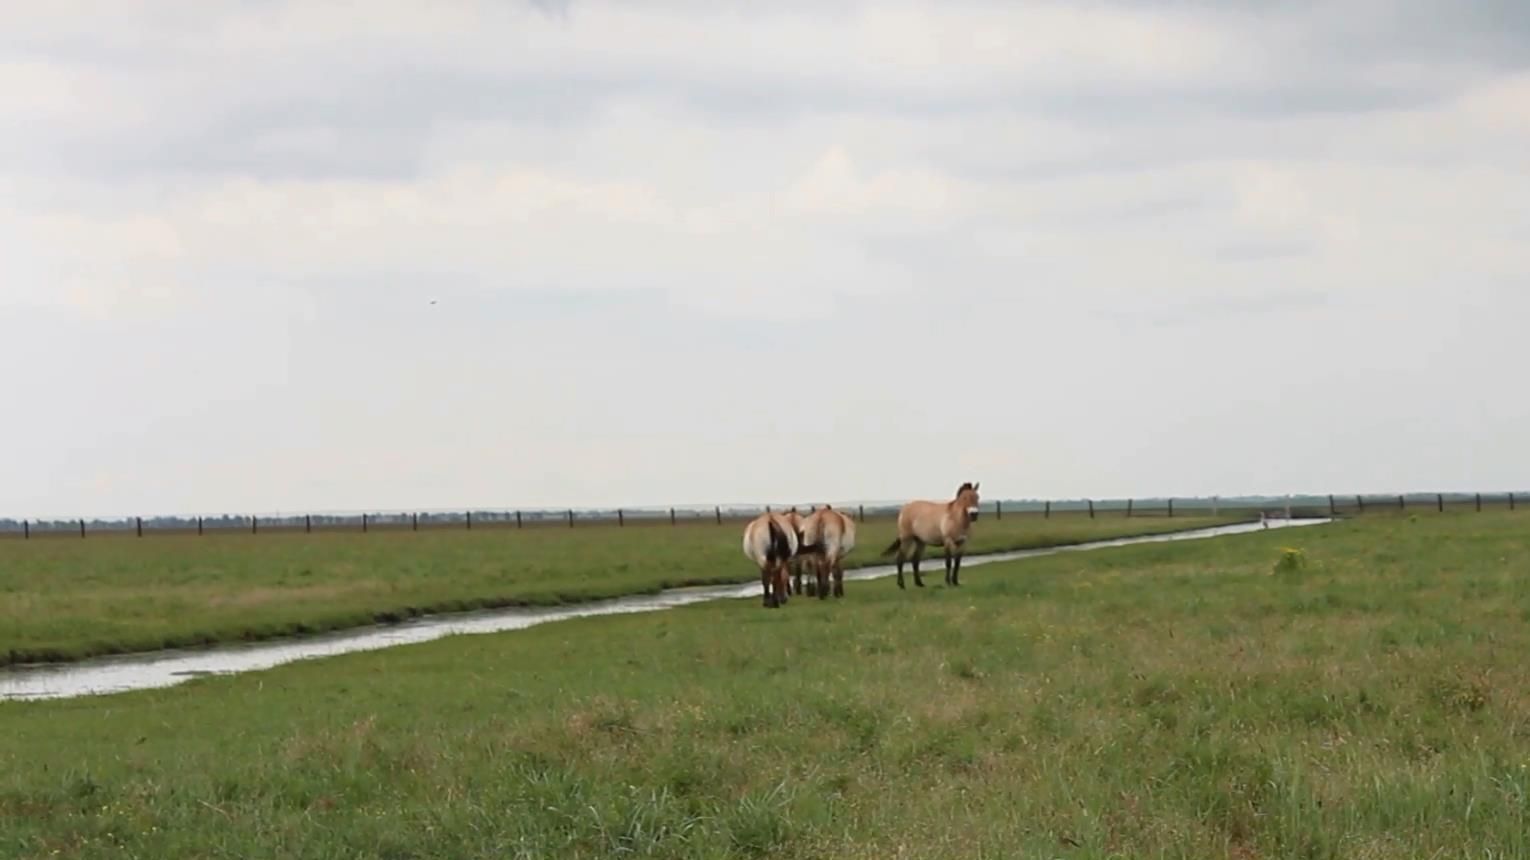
770 542
827 537
947 523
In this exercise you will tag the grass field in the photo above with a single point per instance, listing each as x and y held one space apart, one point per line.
63 599
1368 699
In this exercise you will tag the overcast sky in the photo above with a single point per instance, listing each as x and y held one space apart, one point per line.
260 256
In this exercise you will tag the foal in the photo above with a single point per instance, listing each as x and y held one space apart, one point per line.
947 523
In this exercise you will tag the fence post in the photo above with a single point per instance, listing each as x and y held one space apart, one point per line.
1401 505
621 520
26 530
1479 503
469 520
82 528
307 523
363 523
1333 511
1171 509
1128 508
254 524
140 526
1360 503
570 517
1439 502
998 510
718 511
671 516
199 525
1091 509
1047 514
1511 501
518 519
862 510
414 521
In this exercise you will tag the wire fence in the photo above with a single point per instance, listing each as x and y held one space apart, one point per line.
480 519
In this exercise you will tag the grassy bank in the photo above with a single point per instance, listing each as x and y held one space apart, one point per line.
1195 700
64 599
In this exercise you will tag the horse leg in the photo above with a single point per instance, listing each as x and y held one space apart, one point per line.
783 584
946 557
821 571
839 579
956 569
902 545
766 575
918 555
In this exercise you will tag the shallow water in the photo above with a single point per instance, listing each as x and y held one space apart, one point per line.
166 668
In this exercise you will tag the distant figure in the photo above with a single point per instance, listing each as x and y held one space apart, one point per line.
1264 519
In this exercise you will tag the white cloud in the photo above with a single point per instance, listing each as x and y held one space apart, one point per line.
1010 230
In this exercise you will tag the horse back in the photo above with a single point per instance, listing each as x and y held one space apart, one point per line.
769 539
832 530
922 520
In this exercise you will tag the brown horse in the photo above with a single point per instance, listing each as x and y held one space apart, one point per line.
798 561
947 523
827 537
770 542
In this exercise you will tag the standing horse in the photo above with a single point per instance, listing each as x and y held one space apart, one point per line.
947 523
794 521
827 537
770 542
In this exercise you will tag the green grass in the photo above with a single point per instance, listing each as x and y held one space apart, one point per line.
1367 698
64 599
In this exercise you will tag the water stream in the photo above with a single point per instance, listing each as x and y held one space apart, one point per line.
149 670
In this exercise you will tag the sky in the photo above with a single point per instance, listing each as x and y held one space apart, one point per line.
269 255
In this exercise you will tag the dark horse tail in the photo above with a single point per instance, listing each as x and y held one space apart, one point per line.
780 548
893 547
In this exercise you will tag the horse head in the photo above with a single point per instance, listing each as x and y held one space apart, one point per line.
967 498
